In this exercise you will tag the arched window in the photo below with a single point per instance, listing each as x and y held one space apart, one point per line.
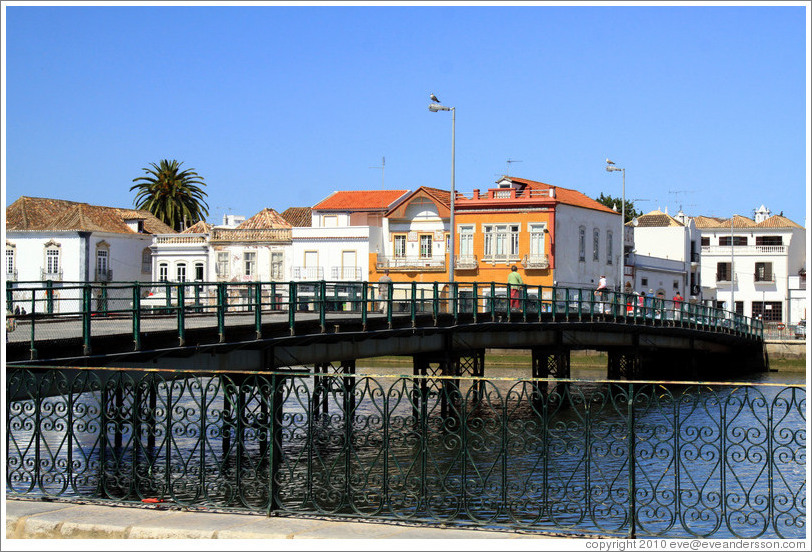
609 236
146 261
180 271
581 243
163 272
596 238
11 261
103 272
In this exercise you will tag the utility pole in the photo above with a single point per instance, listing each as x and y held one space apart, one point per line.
382 167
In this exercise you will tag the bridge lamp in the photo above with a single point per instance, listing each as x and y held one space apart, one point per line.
610 167
434 107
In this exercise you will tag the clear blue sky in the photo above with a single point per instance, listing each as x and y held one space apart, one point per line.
278 106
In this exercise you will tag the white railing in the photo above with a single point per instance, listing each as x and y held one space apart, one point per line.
182 239
411 263
745 249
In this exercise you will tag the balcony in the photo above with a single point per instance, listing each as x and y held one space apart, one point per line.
763 278
744 250
45 275
11 275
725 279
104 275
466 262
180 239
411 264
345 273
538 262
308 273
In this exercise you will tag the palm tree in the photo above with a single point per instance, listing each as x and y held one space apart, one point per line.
172 196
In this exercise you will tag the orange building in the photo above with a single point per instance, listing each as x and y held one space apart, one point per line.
520 223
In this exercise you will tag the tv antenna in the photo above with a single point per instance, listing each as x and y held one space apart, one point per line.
382 167
508 162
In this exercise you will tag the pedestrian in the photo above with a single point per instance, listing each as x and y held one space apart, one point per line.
17 310
678 299
384 291
514 280
602 292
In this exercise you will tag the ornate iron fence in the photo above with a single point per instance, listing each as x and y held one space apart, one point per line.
607 457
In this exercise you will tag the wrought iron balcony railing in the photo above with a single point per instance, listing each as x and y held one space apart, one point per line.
105 275
346 273
46 275
308 273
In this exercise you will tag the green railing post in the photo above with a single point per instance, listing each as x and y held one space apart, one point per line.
136 313
413 304
197 298
273 296
9 297
49 296
389 303
455 304
508 300
258 309
32 349
181 314
435 301
221 311
475 305
292 307
364 303
493 301
524 302
86 311
554 300
103 298
322 299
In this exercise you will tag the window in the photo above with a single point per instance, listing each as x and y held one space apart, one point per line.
704 241
400 245
277 266
737 240
466 241
425 246
146 260
676 284
10 269
102 267
536 240
764 272
769 311
181 272
501 241
644 282
582 244
163 272
769 240
222 264
722 272
52 261
609 247
330 220
198 272
250 262
596 237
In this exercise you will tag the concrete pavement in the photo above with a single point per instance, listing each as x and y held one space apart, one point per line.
62 520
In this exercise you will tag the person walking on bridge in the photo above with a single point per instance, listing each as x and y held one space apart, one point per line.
515 281
384 290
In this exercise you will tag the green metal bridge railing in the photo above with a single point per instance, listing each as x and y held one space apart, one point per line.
82 307
686 459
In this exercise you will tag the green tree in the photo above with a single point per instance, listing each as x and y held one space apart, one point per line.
614 203
176 197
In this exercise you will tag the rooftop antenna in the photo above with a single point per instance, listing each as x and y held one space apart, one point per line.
382 167
508 162
677 192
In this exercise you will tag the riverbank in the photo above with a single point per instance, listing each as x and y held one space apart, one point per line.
586 360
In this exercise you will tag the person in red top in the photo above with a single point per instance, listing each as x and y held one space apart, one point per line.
678 306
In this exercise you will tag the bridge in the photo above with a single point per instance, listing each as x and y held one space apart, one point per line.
269 325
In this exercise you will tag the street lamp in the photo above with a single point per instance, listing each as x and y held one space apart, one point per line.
434 107
610 167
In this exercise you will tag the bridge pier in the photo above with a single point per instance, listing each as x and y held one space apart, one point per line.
624 364
549 362
323 374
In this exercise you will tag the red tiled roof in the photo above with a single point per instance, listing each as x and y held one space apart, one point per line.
267 219
778 221
566 195
37 213
298 216
716 222
360 200
442 198
200 227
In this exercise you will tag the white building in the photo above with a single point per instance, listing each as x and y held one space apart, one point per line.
758 264
663 256
62 244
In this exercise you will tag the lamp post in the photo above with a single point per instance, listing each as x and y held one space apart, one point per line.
610 167
434 107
